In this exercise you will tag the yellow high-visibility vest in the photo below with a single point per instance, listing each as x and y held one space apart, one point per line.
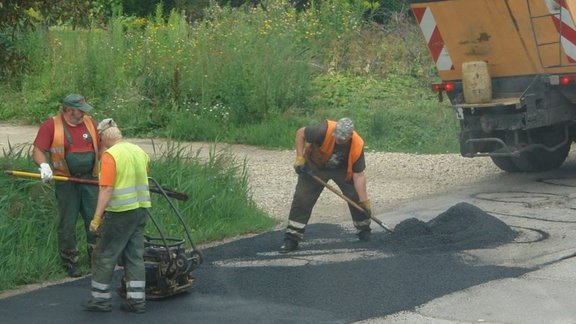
131 183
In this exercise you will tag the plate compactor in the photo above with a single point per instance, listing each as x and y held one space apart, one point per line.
168 263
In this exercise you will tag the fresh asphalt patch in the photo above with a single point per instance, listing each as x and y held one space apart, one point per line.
331 278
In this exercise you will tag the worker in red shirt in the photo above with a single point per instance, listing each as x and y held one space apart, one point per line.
67 145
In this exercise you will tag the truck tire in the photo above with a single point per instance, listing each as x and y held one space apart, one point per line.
505 164
541 160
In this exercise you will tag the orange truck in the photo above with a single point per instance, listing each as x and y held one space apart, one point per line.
508 68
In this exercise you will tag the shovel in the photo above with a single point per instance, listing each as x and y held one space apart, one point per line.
348 200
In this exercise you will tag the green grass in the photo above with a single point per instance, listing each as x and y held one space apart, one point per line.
220 204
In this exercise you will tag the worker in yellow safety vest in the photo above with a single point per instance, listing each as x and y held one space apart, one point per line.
119 221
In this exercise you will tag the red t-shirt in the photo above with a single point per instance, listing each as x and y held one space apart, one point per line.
81 139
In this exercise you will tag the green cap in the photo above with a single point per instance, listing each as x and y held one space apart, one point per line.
77 101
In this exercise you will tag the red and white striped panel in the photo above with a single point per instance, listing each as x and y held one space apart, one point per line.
433 38
565 25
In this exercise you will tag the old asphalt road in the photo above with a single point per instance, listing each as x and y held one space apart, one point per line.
335 279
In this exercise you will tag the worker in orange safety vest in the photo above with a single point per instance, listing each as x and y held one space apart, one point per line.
67 145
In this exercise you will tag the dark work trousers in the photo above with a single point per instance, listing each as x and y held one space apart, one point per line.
121 238
306 194
74 199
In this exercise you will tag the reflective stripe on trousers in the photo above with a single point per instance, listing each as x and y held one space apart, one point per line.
101 292
136 290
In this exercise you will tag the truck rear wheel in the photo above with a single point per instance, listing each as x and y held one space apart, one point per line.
541 160
505 163
538 159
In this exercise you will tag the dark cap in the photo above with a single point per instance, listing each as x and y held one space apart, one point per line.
77 101
344 129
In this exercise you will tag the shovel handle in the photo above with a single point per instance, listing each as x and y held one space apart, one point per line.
348 200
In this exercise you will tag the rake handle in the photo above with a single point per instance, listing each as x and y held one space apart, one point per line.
170 193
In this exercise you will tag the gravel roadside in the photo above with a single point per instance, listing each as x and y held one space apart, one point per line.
393 178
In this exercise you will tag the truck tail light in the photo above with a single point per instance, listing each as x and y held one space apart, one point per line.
567 80
440 87
444 86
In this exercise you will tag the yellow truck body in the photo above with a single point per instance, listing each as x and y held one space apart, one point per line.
519 56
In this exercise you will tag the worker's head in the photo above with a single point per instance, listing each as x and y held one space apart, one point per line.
343 130
109 132
74 107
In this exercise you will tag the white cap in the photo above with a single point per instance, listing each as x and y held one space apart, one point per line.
105 124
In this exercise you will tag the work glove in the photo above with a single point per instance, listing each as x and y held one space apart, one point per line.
45 172
300 165
95 225
366 206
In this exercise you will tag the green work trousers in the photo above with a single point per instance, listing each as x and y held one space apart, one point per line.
121 238
75 199
308 191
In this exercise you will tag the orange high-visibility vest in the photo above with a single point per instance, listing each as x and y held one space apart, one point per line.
328 147
57 152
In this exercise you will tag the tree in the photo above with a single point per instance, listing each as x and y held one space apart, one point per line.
15 19
19 17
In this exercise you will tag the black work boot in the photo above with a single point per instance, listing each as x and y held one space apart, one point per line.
364 235
288 246
93 305
70 259
72 270
133 307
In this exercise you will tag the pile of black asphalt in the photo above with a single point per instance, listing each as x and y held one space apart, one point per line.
462 226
